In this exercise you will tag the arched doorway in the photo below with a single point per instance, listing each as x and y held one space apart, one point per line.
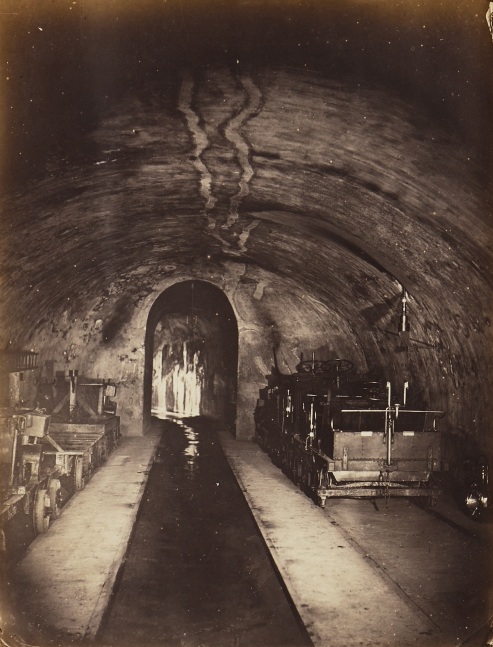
191 354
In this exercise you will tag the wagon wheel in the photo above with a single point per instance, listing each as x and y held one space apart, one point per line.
308 478
313 481
41 511
286 466
54 492
77 474
302 478
296 471
292 468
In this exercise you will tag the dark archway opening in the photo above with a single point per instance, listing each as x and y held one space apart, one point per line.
191 354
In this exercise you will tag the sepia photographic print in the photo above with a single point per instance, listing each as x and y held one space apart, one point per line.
246 323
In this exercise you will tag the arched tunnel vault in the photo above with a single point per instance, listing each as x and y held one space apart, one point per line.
311 187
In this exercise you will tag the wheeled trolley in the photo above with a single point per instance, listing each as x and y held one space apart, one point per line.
80 448
341 437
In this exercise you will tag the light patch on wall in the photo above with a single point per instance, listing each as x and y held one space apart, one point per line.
260 364
178 380
259 290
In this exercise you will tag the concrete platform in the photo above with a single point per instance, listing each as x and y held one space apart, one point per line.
62 585
341 598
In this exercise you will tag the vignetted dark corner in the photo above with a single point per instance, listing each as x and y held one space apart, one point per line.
246 349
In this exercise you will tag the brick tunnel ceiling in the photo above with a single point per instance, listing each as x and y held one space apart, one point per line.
344 148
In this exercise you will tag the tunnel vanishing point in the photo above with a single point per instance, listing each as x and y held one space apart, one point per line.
225 179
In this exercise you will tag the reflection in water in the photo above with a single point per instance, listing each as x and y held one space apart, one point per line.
191 451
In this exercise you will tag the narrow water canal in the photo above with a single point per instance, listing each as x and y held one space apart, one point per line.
197 573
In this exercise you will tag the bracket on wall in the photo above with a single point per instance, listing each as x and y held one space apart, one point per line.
404 328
